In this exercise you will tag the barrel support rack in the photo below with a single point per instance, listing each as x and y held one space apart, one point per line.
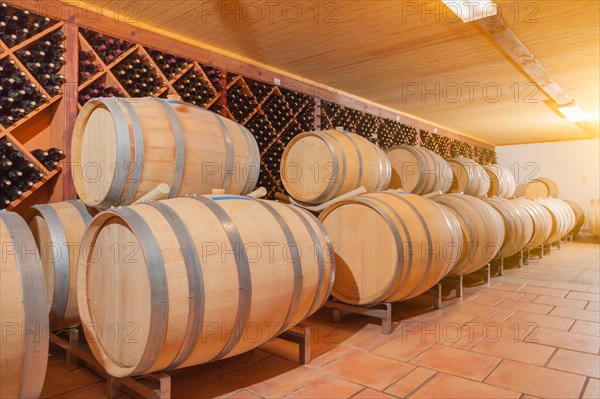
382 310
455 282
156 385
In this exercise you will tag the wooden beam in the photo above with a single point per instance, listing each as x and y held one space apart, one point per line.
70 101
108 22
500 34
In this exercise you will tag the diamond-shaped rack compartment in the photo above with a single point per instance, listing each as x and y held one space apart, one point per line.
139 76
21 96
277 111
194 87
170 65
104 85
262 131
392 133
18 26
44 59
241 104
260 90
108 48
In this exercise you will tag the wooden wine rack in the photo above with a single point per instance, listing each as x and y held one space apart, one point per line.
34 129
388 133
270 114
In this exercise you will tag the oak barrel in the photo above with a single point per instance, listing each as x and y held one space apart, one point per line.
192 280
542 222
562 216
418 170
58 229
468 177
579 217
124 148
23 311
552 186
390 246
502 181
482 231
518 226
319 166
593 217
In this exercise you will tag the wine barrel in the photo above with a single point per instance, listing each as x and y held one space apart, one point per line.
191 280
552 187
124 148
502 182
23 311
579 217
563 218
517 223
319 166
593 217
58 229
390 246
482 231
542 222
418 170
468 177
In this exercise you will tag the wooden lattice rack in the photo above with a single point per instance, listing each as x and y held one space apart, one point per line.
273 113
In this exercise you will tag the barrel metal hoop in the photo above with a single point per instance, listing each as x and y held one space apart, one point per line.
60 259
416 152
427 234
431 182
85 215
360 162
397 238
138 162
320 260
400 247
244 275
297 264
253 155
179 148
122 153
229 159
335 162
331 254
157 277
35 307
193 269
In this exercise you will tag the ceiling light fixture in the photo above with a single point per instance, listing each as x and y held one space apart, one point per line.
573 113
471 10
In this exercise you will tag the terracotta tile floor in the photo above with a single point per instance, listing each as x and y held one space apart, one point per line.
533 333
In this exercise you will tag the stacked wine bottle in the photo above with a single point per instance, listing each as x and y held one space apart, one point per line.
108 48
194 88
16 26
50 158
17 174
18 95
138 76
240 103
45 59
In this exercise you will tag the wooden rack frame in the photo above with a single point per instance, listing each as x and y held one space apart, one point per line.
60 113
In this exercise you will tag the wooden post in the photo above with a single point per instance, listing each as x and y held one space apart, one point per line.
69 100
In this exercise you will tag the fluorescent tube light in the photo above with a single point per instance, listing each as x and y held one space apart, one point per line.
471 10
573 113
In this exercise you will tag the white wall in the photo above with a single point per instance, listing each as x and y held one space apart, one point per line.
573 165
